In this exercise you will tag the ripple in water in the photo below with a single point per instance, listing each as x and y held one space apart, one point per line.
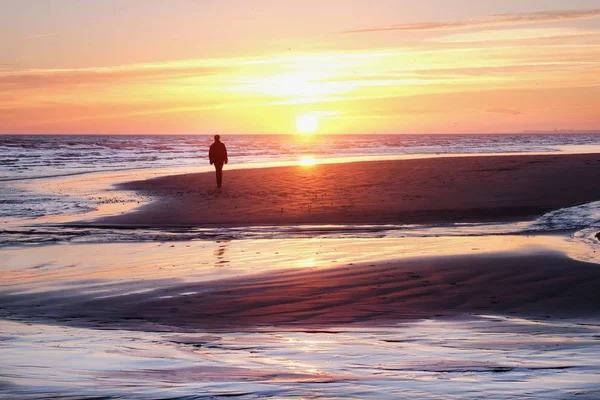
582 220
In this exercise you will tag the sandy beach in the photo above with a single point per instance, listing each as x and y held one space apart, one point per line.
467 290
523 283
374 317
459 189
438 280
409 204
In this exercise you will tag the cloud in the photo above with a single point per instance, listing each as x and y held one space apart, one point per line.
494 20
513 34
506 111
136 73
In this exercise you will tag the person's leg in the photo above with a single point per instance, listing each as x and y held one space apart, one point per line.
219 170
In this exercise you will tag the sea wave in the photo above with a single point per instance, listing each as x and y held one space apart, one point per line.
52 155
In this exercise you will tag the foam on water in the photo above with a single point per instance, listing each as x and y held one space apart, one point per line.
22 203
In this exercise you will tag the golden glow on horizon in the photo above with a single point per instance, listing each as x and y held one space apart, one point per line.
402 92
478 74
307 124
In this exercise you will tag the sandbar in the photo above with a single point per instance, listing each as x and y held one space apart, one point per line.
436 190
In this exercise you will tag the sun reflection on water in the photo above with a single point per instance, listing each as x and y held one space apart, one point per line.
307 161
308 263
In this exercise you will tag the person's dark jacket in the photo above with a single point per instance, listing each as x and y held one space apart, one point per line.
217 153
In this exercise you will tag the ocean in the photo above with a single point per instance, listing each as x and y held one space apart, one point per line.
25 158
42 156
32 168
63 287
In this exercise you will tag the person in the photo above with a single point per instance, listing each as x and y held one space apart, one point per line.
217 155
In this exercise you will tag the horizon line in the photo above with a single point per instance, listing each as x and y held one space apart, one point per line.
526 132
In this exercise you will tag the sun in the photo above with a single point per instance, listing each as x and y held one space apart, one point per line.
307 123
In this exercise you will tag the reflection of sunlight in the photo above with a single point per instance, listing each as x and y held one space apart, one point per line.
300 367
308 346
307 161
308 263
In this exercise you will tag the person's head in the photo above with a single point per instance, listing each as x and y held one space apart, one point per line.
217 138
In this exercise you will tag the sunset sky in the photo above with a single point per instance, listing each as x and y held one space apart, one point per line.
225 66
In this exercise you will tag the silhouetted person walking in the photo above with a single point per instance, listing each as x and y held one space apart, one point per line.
217 155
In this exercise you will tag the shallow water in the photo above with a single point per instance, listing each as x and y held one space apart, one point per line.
461 358
31 156
471 356
484 356
53 267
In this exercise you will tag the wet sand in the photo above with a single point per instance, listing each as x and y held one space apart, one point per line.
507 316
527 282
444 282
487 188
532 285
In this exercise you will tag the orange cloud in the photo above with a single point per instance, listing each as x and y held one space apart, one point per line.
71 77
383 90
507 111
495 20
